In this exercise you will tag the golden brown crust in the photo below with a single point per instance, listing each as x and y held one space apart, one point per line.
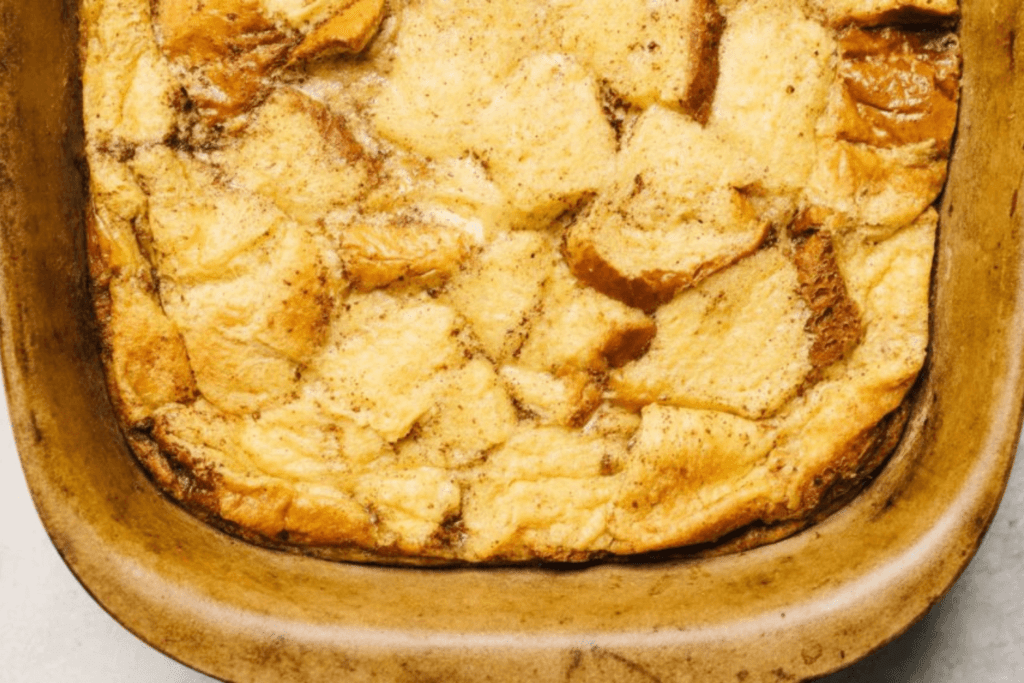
376 255
676 212
905 13
227 47
835 321
642 287
902 86
701 94
347 32
646 290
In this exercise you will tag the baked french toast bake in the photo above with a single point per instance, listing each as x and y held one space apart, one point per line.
457 281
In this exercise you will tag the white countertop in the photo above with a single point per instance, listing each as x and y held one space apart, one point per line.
52 631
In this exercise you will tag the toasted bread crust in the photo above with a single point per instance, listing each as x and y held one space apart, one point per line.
646 289
835 321
227 47
903 85
701 94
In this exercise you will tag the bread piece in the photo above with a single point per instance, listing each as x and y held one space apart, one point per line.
772 92
222 50
545 493
347 32
881 157
472 414
871 190
888 281
543 137
200 440
835 319
691 465
500 292
736 343
409 505
300 156
198 225
149 362
281 304
675 214
297 441
565 399
899 87
579 328
381 368
376 254
119 206
128 88
423 107
647 54
305 15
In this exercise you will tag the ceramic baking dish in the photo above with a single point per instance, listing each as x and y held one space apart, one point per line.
796 609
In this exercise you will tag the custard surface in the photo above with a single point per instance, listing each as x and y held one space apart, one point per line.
505 281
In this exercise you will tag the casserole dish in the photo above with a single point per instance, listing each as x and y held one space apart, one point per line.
789 611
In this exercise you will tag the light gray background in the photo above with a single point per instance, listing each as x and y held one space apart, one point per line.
52 631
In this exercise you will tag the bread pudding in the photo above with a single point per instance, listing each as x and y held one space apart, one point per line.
430 281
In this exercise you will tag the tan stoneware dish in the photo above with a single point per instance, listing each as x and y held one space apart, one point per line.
789 611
